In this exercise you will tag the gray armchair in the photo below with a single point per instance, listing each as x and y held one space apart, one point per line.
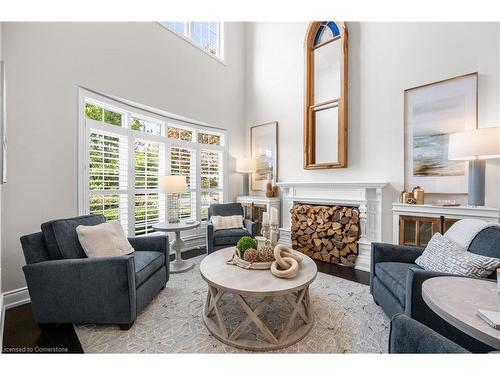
396 284
226 237
407 336
67 287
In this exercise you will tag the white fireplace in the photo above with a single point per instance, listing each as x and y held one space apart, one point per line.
367 196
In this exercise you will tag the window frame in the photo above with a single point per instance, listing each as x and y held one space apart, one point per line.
186 36
128 112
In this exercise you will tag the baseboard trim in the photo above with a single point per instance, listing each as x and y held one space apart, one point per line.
16 297
2 319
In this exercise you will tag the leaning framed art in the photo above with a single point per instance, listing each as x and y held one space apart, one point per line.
431 113
264 148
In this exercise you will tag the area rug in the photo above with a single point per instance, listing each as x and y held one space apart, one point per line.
346 321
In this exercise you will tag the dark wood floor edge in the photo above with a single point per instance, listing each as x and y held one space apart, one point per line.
2 319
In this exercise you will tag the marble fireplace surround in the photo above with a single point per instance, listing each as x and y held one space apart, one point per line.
367 196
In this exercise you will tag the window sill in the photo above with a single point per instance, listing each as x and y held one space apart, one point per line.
216 58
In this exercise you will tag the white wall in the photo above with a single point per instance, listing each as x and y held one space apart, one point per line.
142 62
384 60
1 295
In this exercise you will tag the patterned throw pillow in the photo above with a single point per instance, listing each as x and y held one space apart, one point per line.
444 255
227 222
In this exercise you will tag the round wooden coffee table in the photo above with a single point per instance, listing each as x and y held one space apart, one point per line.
243 284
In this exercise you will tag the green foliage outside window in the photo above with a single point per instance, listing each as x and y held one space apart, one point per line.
182 134
108 205
209 139
97 113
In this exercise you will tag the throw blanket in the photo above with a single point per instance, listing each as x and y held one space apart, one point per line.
464 231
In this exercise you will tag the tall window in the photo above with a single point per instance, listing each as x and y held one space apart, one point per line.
206 35
123 153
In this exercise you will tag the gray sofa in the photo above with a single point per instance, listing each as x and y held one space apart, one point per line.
396 284
407 336
219 239
67 287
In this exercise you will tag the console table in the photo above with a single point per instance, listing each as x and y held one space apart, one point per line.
414 224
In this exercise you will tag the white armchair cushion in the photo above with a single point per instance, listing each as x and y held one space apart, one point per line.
227 222
103 240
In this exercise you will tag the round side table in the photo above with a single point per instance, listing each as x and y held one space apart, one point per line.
179 264
457 300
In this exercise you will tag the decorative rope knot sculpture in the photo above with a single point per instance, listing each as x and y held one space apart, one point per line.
287 261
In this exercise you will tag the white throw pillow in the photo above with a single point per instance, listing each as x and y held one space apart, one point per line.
444 255
103 240
227 222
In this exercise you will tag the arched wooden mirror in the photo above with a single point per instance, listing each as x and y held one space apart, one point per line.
325 124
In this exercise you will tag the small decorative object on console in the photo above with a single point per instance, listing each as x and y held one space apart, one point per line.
245 243
269 190
418 194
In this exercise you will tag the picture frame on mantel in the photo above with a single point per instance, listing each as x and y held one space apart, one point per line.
264 149
431 113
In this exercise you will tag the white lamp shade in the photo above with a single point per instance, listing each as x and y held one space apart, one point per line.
483 143
246 165
173 184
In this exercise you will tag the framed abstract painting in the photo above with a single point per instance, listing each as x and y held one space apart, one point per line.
431 113
264 148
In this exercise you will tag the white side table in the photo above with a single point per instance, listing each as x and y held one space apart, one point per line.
179 264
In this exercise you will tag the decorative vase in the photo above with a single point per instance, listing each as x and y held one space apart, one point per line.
261 242
269 190
418 194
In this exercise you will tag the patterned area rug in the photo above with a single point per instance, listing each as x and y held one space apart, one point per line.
346 321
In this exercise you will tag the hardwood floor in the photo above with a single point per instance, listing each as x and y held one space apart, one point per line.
22 334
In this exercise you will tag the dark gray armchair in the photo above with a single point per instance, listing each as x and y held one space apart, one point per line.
407 336
396 284
67 287
219 239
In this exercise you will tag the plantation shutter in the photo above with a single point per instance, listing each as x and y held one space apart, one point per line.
212 179
149 204
183 163
107 175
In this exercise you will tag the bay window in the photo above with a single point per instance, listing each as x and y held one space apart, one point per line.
124 150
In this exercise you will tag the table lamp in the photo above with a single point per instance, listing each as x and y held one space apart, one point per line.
475 146
246 166
173 186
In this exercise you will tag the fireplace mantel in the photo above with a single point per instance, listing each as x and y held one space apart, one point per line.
367 196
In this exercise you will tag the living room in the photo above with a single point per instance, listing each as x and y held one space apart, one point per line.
250 184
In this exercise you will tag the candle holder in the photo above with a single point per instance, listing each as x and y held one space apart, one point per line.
274 235
265 231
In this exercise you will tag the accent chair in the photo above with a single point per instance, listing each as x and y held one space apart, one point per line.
219 239
396 284
407 336
67 287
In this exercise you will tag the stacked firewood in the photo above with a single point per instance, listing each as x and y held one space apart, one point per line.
327 233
